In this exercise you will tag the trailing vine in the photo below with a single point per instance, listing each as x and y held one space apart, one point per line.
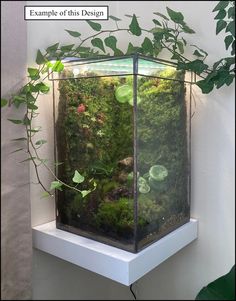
167 34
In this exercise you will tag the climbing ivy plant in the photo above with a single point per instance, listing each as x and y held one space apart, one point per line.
168 33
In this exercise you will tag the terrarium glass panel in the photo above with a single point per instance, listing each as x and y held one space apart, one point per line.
123 124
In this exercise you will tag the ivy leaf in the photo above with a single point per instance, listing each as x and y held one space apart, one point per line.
205 86
221 5
85 192
98 43
58 163
129 16
231 28
228 40
176 56
56 185
221 24
147 46
201 50
118 52
16 121
53 48
17 150
45 194
42 87
177 17
18 100
35 130
28 159
40 58
233 48
95 26
33 73
114 18
78 178
32 106
19 139
43 160
132 49
111 42
180 46
67 48
134 26
57 66
74 34
4 102
196 66
184 41
31 89
197 53
40 142
229 79
26 121
187 29
221 14
231 13
161 15
156 22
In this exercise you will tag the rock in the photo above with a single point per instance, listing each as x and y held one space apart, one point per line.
120 192
127 162
122 177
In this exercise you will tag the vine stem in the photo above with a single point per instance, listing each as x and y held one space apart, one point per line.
38 158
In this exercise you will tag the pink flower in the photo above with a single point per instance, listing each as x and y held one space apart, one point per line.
81 108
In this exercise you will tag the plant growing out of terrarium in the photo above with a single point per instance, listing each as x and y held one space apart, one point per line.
169 33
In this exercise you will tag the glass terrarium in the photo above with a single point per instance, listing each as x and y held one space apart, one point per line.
124 124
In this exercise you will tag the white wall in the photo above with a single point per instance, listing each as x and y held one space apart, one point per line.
212 255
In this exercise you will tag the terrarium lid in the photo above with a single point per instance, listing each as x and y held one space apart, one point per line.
138 64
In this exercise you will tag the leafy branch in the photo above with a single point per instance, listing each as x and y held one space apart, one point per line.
167 34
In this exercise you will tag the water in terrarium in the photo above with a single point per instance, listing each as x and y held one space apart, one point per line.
133 157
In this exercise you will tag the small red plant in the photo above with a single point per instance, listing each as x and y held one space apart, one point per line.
81 108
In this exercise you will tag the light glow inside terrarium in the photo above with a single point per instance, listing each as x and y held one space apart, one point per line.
112 67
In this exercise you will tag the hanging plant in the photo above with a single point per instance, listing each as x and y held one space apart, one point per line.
167 34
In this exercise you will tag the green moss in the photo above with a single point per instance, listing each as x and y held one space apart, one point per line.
96 140
116 217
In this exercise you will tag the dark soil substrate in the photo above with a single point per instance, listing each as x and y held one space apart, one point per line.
174 222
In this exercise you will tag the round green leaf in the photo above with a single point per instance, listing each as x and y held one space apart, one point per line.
141 181
144 188
158 172
131 100
124 93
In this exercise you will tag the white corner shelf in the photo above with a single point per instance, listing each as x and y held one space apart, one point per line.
113 263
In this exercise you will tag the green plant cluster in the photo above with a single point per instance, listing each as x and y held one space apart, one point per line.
162 139
92 141
169 33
